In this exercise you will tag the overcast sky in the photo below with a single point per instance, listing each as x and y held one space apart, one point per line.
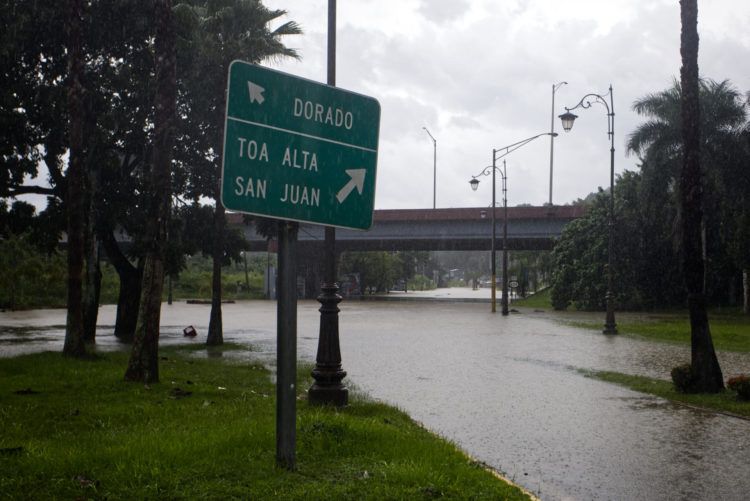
479 75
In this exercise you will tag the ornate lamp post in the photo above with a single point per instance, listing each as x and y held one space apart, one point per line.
491 169
328 372
567 119
474 185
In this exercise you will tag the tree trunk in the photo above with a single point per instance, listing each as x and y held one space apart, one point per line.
708 377
130 288
74 345
128 304
144 359
215 330
746 291
93 270
93 293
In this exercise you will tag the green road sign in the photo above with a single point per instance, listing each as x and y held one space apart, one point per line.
297 149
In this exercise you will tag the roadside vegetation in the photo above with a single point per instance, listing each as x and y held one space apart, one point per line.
73 429
647 270
540 300
38 280
730 330
724 401
730 327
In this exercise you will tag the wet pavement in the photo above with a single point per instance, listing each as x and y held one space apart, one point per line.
507 390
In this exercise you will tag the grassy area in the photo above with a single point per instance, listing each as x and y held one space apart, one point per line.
74 430
730 328
540 300
726 401
730 331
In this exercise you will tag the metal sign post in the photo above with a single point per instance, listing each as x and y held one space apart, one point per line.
296 150
286 347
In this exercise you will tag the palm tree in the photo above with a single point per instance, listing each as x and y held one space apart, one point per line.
216 32
658 140
705 365
724 158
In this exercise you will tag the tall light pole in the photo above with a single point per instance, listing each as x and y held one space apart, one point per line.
552 137
497 154
567 119
328 371
434 168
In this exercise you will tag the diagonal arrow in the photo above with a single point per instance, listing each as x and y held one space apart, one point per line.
256 92
357 181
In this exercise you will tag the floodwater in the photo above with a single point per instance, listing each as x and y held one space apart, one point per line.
507 390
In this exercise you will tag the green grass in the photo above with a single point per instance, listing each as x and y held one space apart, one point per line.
87 434
729 330
725 401
540 300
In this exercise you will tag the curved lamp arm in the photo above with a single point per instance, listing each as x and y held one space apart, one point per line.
586 102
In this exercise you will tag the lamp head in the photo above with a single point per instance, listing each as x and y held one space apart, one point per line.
474 183
567 119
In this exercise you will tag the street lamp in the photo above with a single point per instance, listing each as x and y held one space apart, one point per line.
567 119
552 137
474 185
328 371
497 154
434 168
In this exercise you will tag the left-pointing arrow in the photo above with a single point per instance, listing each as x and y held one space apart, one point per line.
256 92
357 181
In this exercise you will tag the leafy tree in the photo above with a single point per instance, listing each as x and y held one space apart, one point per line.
13 259
645 270
580 257
144 361
121 63
723 170
406 264
475 264
116 68
30 278
212 34
705 366
375 269
33 67
532 269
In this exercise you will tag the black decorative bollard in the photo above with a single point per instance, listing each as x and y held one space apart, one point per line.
328 372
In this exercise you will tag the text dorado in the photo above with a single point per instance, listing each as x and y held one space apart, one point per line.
323 114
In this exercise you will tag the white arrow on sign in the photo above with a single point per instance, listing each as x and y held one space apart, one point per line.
357 181
256 92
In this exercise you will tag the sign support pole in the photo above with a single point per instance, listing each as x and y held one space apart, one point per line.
286 347
328 372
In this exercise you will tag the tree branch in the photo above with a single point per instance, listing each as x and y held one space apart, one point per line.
15 190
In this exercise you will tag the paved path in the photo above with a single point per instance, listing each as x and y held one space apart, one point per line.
505 389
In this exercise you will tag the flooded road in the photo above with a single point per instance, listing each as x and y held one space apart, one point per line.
507 390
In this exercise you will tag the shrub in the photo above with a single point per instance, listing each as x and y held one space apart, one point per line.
740 384
683 378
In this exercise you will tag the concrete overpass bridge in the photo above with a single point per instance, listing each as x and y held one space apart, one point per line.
529 228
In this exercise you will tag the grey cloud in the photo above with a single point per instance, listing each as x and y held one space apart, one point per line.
443 11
